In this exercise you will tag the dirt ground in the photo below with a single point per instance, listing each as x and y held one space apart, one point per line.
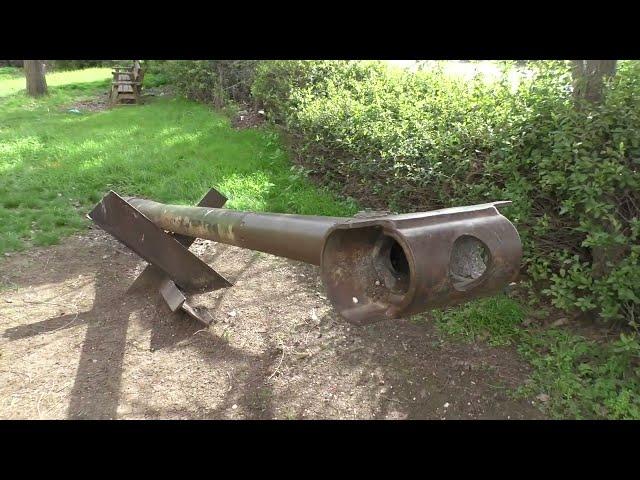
77 342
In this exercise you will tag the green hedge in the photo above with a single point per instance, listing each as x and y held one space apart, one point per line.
425 140
80 64
211 81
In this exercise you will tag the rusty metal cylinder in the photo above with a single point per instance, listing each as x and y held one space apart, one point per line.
299 237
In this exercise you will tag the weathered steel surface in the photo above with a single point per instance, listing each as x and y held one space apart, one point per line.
213 198
168 289
141 235
299 237
172 294
198 313
176 300
401 265
373 268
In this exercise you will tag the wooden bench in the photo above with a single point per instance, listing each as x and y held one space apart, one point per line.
126 87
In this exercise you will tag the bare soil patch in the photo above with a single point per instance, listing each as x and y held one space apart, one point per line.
101 102
248 118
96 104
75 343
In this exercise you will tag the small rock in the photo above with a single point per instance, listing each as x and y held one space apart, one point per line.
377 282
543 397
395 415
560 322
355 300
446 405
104 257
234 406
7 254
232 313
8 300
314 317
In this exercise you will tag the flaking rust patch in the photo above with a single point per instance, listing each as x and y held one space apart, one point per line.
226 233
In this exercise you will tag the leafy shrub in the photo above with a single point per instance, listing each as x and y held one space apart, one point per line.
583 378
81 64
212 81
426 140
10 72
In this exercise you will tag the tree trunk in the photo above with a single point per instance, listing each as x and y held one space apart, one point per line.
36 83
588 78
588 83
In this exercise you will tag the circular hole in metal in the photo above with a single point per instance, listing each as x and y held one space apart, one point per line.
470 259
392 265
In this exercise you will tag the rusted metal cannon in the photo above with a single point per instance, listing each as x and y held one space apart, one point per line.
373 268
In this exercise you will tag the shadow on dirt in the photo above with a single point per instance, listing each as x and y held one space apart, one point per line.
97 385
281 363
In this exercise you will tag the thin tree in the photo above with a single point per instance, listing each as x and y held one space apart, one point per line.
589 78
36 82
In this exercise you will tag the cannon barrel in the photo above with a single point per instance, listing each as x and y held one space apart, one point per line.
298 237
372 268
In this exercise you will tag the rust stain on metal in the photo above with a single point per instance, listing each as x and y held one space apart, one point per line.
406 264
119 218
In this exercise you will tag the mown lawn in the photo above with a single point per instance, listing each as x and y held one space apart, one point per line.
12 79
56 164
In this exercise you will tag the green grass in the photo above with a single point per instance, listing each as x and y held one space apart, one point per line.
495 319
582 378
7 73
55 164
12 79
